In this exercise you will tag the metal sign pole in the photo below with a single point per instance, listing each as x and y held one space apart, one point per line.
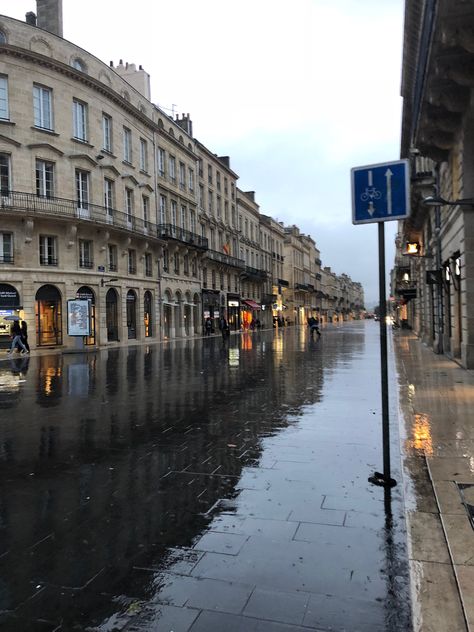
378 478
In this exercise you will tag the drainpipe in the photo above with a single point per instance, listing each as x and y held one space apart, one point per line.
439 347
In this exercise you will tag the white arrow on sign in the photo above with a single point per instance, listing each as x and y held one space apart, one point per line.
388 177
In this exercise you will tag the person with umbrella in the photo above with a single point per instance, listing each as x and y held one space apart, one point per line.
16 337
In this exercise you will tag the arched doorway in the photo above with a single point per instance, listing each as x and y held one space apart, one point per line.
147 314
188 324
49 330
132 314
167 315
85 293
111 315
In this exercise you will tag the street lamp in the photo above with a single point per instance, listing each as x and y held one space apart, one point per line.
436 200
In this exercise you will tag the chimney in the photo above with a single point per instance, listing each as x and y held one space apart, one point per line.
50 16
185 123
30 18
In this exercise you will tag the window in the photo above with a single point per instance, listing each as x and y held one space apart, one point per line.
148 265
204 277
112 258
209 174
78 64
48 250
218 180
200 167
129 205
6 248
182 176
132 261
183 217
44 179
219 206
85 254
82 190
166 260
194 267
3 38
186 265
176 263
201 196
233 215
213 279
212 234
4 110
106 132
4 174
226 211
190 179
79 113
109 197
162 209
143 155
127 145
232 190
42 107
172 166
146 210
192 221
174 208
226 190
161 162
209 200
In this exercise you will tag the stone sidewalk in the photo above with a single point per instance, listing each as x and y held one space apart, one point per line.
437 439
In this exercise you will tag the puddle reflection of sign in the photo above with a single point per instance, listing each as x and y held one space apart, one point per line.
78 318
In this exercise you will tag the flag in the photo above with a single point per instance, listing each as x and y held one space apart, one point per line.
226 248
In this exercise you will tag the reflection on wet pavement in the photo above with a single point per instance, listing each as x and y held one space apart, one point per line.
200 486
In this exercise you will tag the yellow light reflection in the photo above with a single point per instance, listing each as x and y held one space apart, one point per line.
421 440
246 341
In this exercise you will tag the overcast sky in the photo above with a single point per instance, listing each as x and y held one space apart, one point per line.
295 92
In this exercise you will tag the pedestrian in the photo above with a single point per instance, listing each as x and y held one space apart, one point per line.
224 327
16 338
24 334
208 326
314 327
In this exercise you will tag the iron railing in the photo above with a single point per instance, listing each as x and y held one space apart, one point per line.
221 257
169 231
60 207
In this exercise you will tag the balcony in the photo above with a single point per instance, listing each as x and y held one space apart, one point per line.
302 287
169 231
17 201
254 274
221 257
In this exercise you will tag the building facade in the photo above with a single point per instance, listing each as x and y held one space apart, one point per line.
433 279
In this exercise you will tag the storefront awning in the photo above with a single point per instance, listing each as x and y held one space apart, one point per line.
251 304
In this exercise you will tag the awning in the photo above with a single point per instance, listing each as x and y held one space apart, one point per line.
251 304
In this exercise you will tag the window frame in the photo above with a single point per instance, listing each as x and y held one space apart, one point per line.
80 122
42 119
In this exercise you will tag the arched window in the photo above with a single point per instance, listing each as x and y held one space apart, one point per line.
111 315
78 64
48 316
131 314
3 37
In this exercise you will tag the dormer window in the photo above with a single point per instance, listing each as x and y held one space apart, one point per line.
3 38
78 64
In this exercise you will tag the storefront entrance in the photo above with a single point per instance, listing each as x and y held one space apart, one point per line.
147 314
9 307
111 315
131 315
48 316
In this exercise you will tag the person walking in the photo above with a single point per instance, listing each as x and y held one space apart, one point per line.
208 326
16 338
224 327
24 334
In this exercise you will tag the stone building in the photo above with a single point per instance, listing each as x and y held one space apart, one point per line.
433 280
78 189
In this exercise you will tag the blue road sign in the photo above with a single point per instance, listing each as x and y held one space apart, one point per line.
380 193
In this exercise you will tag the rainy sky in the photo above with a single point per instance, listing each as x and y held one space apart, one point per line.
296 93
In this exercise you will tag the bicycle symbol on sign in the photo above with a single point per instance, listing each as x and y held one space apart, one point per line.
371 194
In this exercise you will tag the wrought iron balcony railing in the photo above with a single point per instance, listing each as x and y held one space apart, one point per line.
17 201
254 273
221 257
169 231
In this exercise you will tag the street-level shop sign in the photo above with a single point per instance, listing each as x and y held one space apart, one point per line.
380 192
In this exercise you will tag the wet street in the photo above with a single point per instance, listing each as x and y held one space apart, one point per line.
196 486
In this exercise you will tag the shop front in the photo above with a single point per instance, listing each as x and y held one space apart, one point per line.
250 314
48 304
211 308
9 310
233 311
